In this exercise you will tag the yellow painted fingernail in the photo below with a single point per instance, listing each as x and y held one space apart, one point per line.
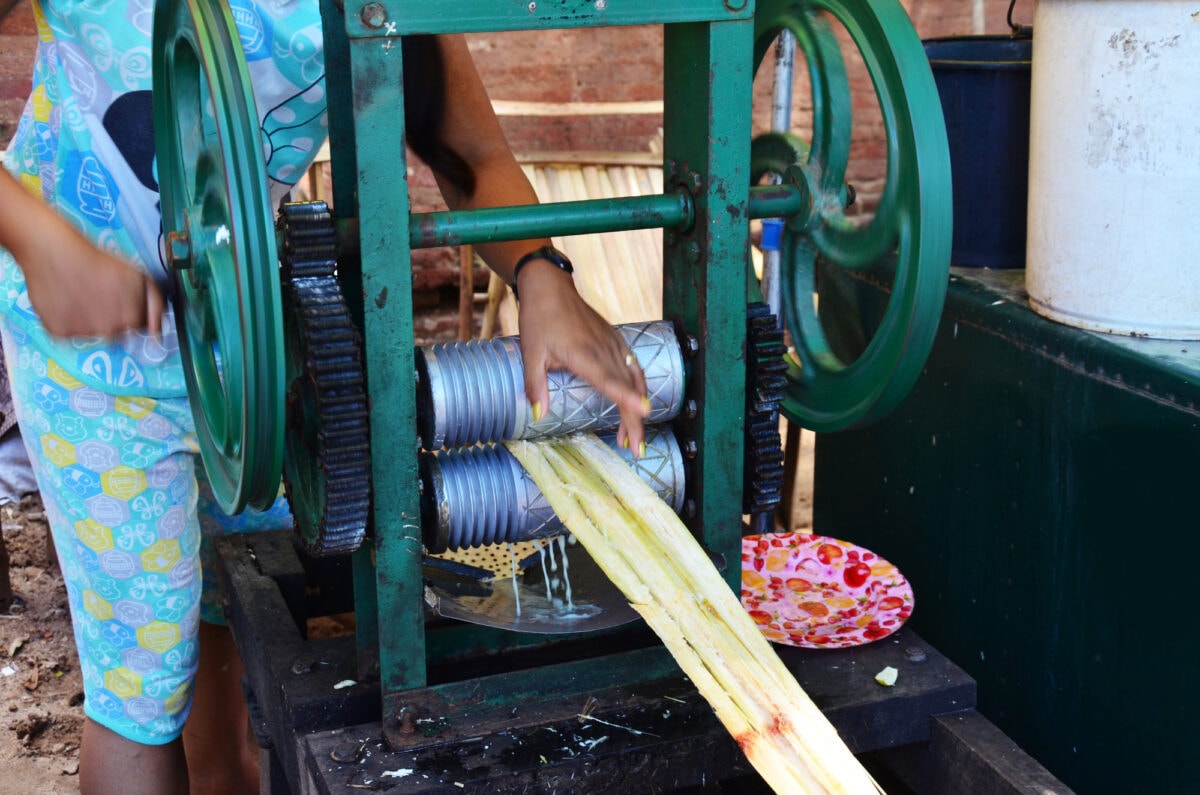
645 405
625 442
537 410
642 449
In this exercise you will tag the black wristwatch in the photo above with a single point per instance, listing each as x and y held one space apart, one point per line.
548 253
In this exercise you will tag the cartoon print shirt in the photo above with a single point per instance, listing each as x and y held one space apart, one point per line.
85 144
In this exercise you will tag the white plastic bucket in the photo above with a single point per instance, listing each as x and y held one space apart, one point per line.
1113 240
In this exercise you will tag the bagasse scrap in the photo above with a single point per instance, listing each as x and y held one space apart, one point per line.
656 562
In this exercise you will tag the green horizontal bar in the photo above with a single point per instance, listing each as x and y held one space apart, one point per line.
665 211
776 201
403 17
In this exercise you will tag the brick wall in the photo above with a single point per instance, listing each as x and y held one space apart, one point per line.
606 65
18 38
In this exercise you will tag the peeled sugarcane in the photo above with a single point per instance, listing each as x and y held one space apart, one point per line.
651 556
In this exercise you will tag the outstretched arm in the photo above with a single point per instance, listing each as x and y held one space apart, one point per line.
77 289
558 328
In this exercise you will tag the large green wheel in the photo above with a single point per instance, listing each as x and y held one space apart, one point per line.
912 223
220 242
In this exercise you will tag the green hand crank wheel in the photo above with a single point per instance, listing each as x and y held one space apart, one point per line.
221 245
912 222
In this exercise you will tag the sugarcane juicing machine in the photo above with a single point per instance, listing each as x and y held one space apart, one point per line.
299 346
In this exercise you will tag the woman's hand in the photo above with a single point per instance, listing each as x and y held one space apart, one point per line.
76 289
559 330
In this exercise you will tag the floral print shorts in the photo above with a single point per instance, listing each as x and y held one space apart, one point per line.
132 521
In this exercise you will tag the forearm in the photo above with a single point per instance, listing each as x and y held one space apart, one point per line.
500 183
24 221
472 130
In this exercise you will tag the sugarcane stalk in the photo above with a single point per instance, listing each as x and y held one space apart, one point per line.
656 562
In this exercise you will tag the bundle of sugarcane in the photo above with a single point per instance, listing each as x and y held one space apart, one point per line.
656 562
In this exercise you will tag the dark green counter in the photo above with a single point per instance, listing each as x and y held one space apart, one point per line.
1040 487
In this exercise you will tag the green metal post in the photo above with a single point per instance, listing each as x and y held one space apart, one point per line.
344 168
707 76
377 84
340 103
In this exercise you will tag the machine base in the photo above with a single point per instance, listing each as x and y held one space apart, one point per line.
575 725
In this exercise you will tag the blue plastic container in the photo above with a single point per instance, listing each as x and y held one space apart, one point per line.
983 82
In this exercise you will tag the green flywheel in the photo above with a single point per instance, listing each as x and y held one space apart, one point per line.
911 224
220 241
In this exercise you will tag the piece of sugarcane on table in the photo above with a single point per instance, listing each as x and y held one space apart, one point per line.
653 558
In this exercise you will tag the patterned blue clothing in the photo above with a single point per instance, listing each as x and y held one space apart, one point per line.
107 422
85 144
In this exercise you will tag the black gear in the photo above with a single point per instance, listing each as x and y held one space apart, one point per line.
766 381
327 454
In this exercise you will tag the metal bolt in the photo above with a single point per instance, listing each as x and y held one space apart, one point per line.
691 409
671 169
601 5
915 654
406 720
691 345
302 666
373 15
735 5
690 449
532 7
693 252
694 181
348 753
179 250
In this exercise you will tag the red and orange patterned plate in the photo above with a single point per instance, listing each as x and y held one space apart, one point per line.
821 593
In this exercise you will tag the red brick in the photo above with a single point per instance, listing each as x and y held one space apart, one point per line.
19 20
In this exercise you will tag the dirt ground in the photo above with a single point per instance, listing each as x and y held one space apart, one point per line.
40 690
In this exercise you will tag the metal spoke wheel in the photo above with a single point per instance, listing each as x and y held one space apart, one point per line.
221 245
912 222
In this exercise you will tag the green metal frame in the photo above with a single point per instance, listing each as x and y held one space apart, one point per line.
704 259
402 17
710 56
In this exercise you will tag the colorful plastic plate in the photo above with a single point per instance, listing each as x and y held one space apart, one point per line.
821 593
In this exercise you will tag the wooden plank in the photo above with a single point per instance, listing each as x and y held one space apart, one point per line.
649 159
466 293
293 680
656 736
507 107
968 753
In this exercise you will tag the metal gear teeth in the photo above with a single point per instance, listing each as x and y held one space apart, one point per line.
766 380
331 361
